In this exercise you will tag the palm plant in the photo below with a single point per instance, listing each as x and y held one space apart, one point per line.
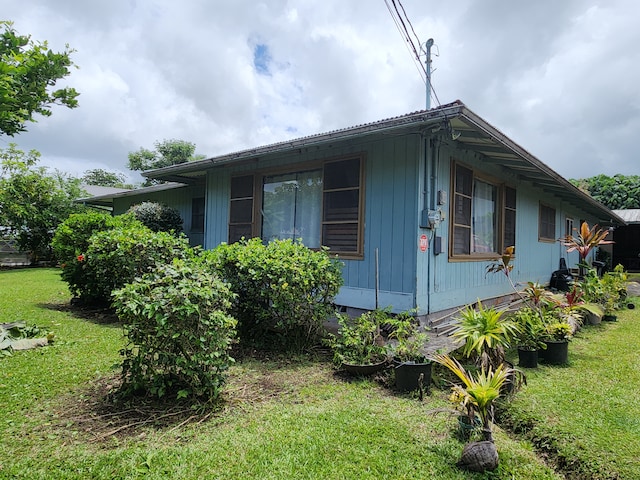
479 391
485 334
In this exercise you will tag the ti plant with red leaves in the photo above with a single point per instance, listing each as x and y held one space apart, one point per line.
587 239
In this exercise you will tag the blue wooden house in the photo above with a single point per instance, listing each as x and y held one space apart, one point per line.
416 206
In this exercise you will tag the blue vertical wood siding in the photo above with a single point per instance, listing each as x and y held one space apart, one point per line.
399 173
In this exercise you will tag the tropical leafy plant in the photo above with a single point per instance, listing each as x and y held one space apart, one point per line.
587 239
485 334
478 391
614 286
407 340
531 329
359 340
559 331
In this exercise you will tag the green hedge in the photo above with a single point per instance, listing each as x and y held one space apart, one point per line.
179 331
285 291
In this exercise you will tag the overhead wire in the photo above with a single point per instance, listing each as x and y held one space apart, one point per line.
408 44
401 25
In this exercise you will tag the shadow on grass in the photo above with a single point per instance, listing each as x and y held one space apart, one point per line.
97 315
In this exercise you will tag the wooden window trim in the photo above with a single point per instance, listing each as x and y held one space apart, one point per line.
252 222
358 254
542 238
501 209
258 178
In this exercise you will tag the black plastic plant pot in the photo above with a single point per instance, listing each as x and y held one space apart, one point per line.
557 353
466 427
527 358
408 376
364 370
610 318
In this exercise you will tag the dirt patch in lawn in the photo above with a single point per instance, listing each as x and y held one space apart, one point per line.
93 414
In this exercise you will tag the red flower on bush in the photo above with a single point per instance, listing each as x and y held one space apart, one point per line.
81 258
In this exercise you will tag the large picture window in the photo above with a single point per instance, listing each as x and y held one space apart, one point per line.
291 207
483 214
321 206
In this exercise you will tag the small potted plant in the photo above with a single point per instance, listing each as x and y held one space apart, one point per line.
359 346
485 334
615 292
406 346
530 336
593 290
476 395
558 334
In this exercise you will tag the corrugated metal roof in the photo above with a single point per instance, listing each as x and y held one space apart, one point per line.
630 216
462 125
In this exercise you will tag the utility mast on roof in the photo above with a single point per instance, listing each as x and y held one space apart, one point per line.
428 46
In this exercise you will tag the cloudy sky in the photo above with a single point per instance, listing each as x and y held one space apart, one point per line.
561 78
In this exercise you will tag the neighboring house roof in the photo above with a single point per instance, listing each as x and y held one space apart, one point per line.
105 199
464 127
97 190
630 215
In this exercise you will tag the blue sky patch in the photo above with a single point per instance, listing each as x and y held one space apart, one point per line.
261 59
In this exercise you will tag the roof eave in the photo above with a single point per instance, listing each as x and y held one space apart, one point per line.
424 117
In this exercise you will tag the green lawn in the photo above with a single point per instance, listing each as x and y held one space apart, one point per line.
285 418
588 414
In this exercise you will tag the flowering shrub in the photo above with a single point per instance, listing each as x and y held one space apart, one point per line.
179 332
71 242
284 290
116 257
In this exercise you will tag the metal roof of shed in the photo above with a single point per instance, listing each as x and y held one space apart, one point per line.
630 215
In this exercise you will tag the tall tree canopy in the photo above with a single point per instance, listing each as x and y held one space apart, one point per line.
28 70
104 178
166 153
33 202
617 193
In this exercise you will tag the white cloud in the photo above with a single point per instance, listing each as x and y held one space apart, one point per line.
560 78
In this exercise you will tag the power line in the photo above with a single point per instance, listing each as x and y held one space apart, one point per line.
408 43
401 25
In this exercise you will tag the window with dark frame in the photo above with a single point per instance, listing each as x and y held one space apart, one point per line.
322 206
568 227
483 215
241 208
341 205
509 234
197 215
547 223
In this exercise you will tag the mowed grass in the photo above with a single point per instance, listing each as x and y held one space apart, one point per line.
588 413
286 418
